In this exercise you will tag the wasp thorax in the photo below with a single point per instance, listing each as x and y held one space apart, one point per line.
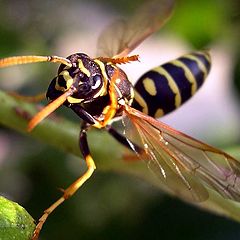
84 76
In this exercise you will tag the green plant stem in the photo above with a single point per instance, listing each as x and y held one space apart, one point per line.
63 134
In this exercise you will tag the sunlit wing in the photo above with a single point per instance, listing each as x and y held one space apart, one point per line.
122 36
185 165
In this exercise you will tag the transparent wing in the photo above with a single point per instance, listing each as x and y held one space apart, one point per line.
122 36
185 165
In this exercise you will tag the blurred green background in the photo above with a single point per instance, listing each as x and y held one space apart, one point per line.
115 205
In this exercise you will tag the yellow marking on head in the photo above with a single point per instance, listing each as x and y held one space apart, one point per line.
188 74
150 86
83 68
68 79
103 90
74 100
140 100
173 86
200 64
159 113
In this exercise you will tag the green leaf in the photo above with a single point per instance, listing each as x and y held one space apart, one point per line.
199 22
15 221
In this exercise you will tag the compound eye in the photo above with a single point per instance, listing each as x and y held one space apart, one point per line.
97 81
84 78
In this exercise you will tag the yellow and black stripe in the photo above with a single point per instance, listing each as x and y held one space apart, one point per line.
165 88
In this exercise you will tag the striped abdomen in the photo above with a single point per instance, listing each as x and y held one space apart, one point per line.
165 88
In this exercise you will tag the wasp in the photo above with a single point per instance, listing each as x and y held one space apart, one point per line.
99 92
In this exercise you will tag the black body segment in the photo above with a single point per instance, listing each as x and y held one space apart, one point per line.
165 88
90 80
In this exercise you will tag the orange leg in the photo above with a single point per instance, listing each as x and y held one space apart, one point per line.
74 186
110 111
51 107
